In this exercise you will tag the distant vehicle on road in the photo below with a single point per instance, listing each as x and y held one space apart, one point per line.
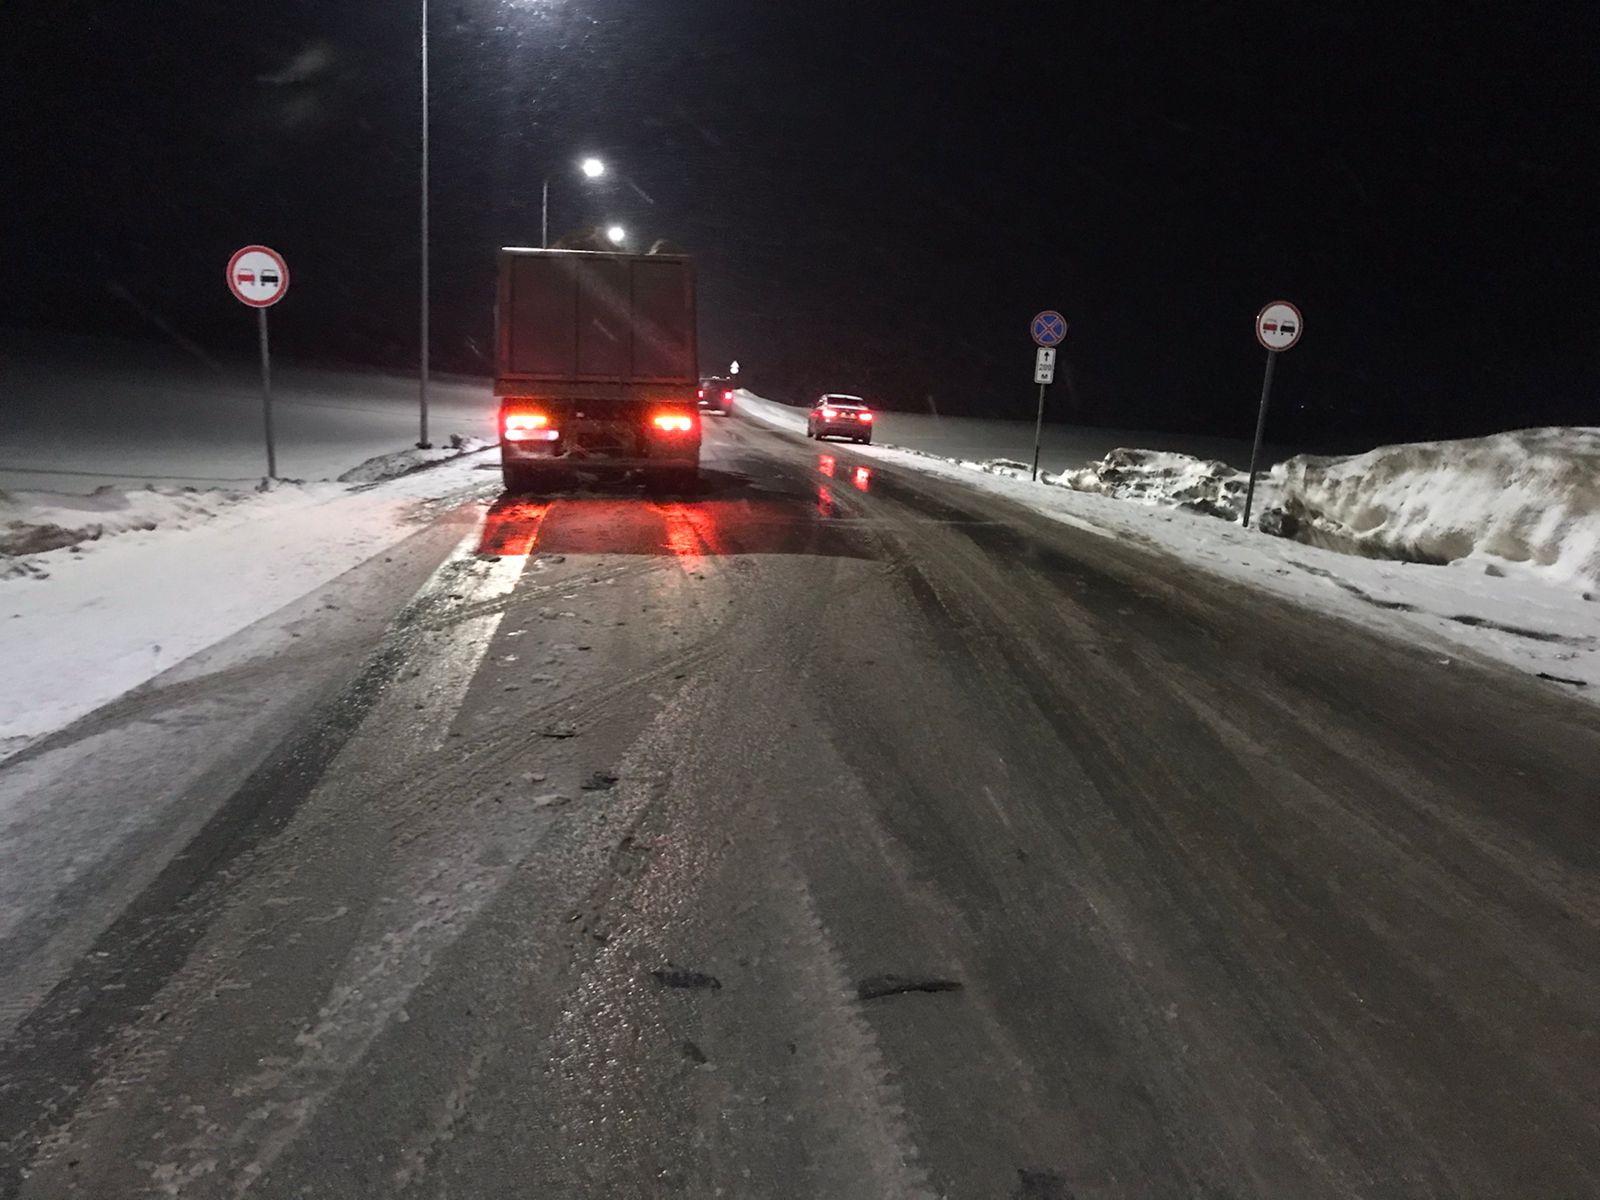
716 394
595 366
841 416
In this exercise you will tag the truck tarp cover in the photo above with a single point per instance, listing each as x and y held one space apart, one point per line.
594 316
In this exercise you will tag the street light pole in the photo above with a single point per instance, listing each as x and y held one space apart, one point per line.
422 384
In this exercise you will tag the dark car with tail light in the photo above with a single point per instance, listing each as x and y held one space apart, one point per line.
596 367
841 416
716 394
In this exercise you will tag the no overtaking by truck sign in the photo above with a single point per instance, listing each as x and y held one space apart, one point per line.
1278 328
1278 325
258 276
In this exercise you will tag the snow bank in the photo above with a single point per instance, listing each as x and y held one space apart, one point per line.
83 625
1176 480
35 523
404 462
1530 499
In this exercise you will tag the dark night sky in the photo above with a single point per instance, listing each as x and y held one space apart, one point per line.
879 196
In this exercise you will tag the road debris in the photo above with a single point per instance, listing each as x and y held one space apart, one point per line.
677 977
600 781
875 987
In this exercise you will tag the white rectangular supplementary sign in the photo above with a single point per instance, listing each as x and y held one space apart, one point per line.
1044 365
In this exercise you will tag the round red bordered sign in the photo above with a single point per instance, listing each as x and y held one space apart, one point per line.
1278 325
258 276
1048 328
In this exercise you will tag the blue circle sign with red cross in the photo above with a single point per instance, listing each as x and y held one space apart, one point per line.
1049 328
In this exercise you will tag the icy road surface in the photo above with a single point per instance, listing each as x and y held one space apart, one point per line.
843 832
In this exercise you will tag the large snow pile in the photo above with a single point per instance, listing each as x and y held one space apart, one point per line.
1162 477
1529 498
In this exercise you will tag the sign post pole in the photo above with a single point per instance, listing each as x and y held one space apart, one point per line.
1278 327
1049 330
266 396
1261 428
423 290
1038 432
258 277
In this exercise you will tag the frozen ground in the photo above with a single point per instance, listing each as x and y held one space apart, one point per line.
79 413
1475 606
176 571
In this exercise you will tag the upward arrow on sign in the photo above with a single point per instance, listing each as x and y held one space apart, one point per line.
1044 365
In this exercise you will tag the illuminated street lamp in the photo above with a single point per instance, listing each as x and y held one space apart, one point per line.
591 167
616 234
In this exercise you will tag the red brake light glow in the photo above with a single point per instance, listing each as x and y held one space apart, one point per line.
673 422
827 414
728 395
702 393
527 427
866 416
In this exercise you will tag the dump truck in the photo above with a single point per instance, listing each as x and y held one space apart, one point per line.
596 367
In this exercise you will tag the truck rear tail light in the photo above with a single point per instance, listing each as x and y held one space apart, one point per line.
702 393
727 395
528 427
673 422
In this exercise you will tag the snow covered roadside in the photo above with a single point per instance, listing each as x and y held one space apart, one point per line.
161 574
779 416
1474 606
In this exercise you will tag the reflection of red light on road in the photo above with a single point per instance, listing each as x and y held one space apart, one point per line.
825 464
862 478
824 500
512 528
682 538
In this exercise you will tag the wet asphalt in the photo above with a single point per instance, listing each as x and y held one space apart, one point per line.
840 832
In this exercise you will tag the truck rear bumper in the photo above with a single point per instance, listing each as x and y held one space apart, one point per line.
599 432
551 454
